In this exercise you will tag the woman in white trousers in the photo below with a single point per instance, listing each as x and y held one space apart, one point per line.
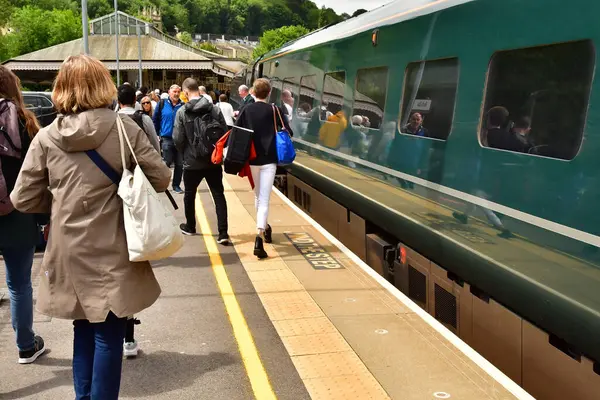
265 120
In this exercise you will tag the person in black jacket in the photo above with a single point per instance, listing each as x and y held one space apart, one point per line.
19 233
195 167
262 118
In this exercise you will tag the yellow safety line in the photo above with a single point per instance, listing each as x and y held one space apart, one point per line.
254 368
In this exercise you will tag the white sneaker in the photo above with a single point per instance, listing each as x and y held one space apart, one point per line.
130 349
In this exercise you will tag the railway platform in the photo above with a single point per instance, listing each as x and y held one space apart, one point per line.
310 322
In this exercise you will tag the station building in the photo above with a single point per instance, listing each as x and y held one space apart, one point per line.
165 60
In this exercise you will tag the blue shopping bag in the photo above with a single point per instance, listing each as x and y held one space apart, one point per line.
286 154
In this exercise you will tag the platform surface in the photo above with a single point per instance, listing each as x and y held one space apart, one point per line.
317 332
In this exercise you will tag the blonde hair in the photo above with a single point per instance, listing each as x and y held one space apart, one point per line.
83 83
262 88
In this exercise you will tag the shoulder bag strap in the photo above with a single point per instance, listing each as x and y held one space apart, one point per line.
280 119
104 166
274 118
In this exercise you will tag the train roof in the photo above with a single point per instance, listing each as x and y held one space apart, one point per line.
389 14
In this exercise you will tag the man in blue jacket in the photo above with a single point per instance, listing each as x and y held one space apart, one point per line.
164 121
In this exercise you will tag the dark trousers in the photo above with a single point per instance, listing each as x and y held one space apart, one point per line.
98 357
214 177
172 156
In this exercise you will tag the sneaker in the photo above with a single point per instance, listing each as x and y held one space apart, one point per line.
187 230
130 349
29 356
269 234
177 189
224 239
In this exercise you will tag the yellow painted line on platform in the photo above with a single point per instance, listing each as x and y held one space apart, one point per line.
254 367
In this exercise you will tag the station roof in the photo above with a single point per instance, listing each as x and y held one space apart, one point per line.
159 51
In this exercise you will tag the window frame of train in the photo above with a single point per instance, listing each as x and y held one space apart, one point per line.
315 100
579 71
291 84
323 92
386 69
276 88
425 105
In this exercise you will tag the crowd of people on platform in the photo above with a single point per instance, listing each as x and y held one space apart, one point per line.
52 176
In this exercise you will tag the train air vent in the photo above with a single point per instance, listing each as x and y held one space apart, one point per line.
445 307
417 286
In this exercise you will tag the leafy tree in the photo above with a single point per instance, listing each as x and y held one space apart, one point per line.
185 37
359 12
276 38
99 8
34 29
6 9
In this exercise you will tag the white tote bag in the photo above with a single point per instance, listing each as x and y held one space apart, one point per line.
151 228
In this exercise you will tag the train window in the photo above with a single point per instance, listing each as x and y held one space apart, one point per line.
307 97
369 97
333 94
429 96
275 91
536 99
289 96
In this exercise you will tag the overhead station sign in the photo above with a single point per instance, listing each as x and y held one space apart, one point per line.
316 255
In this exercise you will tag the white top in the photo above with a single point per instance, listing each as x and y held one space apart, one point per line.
153 104
207 97
289 111
227 111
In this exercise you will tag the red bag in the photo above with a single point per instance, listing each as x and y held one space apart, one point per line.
217 155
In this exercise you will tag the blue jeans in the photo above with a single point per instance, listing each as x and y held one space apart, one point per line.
172 156
18 262
98 357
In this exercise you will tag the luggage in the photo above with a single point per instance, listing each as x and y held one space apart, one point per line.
207 131
238 150
151 229
286 154
10 146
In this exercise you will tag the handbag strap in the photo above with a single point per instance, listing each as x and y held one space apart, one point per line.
123 134
274 118
103 166
280 119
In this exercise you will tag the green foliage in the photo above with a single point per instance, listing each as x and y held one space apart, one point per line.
210 47
275 38
185 37
40 23
98 8
33 28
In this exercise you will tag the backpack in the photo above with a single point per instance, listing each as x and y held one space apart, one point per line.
138 117
207 131
10 146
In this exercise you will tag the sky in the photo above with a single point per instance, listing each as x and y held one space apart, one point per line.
349 6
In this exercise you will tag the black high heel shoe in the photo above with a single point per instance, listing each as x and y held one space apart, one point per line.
268 234
259 250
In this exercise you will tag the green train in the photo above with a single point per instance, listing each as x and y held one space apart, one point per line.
462 136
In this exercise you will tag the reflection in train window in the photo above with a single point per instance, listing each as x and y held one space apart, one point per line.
333 94
275 91
369 97
428 99
536 99
289 96
307 98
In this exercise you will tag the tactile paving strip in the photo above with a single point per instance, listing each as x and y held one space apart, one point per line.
327 364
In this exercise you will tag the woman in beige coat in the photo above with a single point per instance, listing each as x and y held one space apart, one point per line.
86 272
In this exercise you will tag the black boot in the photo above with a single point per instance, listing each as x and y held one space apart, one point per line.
268 234
259 250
